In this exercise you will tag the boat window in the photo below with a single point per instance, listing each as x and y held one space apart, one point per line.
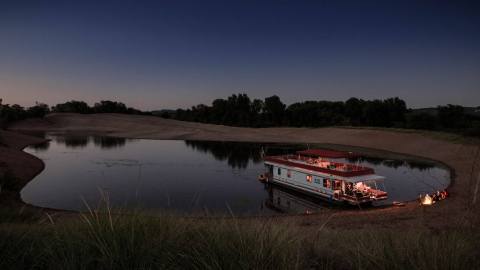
326 183
337 185
289 173
349 188
309 178
279 171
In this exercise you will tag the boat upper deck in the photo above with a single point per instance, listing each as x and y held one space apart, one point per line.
325 153
320 165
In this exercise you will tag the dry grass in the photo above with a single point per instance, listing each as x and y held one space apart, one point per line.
100 240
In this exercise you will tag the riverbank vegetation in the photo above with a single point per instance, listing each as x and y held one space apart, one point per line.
10 113
240 110
133 241
15 112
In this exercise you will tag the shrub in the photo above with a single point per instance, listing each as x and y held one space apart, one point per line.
72 107
421 121
38 111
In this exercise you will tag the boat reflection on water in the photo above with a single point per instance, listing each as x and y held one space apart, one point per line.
287 201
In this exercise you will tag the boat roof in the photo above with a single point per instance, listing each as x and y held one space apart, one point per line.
325 153
363 178
294 161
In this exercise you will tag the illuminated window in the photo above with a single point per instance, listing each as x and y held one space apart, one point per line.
289 173
309 178
326 183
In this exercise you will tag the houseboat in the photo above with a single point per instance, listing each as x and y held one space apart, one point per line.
320 173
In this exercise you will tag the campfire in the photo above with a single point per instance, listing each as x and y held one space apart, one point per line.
429 199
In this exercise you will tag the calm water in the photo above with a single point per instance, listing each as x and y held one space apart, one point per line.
190 176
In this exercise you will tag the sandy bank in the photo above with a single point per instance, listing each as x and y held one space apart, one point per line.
458 210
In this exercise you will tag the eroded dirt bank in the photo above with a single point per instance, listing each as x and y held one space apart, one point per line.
461 209
14 163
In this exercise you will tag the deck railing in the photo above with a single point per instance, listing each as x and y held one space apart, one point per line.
342 169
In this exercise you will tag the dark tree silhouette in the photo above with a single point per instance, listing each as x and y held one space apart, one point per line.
274 110
354 111
421 121
39 110
72 107
107 106
240 110
452 117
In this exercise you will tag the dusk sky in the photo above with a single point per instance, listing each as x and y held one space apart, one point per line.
170 54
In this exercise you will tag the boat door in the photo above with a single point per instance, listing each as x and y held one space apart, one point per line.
338 187
269 170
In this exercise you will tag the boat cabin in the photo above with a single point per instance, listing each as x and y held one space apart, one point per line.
321 176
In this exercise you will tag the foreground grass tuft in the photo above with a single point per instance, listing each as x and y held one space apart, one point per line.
387 249
134 241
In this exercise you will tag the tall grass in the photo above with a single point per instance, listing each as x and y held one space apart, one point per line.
412 249
135 241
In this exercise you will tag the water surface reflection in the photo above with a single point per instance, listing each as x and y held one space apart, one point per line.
190 176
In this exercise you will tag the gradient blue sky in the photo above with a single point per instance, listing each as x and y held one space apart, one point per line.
169 54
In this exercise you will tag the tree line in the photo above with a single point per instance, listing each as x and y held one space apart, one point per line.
241 110
10 113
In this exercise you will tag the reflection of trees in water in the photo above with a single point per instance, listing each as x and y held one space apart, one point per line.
422 166
40 147
109 142
73 141
103 142
237 154
393 163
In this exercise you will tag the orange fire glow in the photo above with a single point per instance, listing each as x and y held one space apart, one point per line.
427 200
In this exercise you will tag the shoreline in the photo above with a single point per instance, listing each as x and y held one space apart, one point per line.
456 210
18 164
